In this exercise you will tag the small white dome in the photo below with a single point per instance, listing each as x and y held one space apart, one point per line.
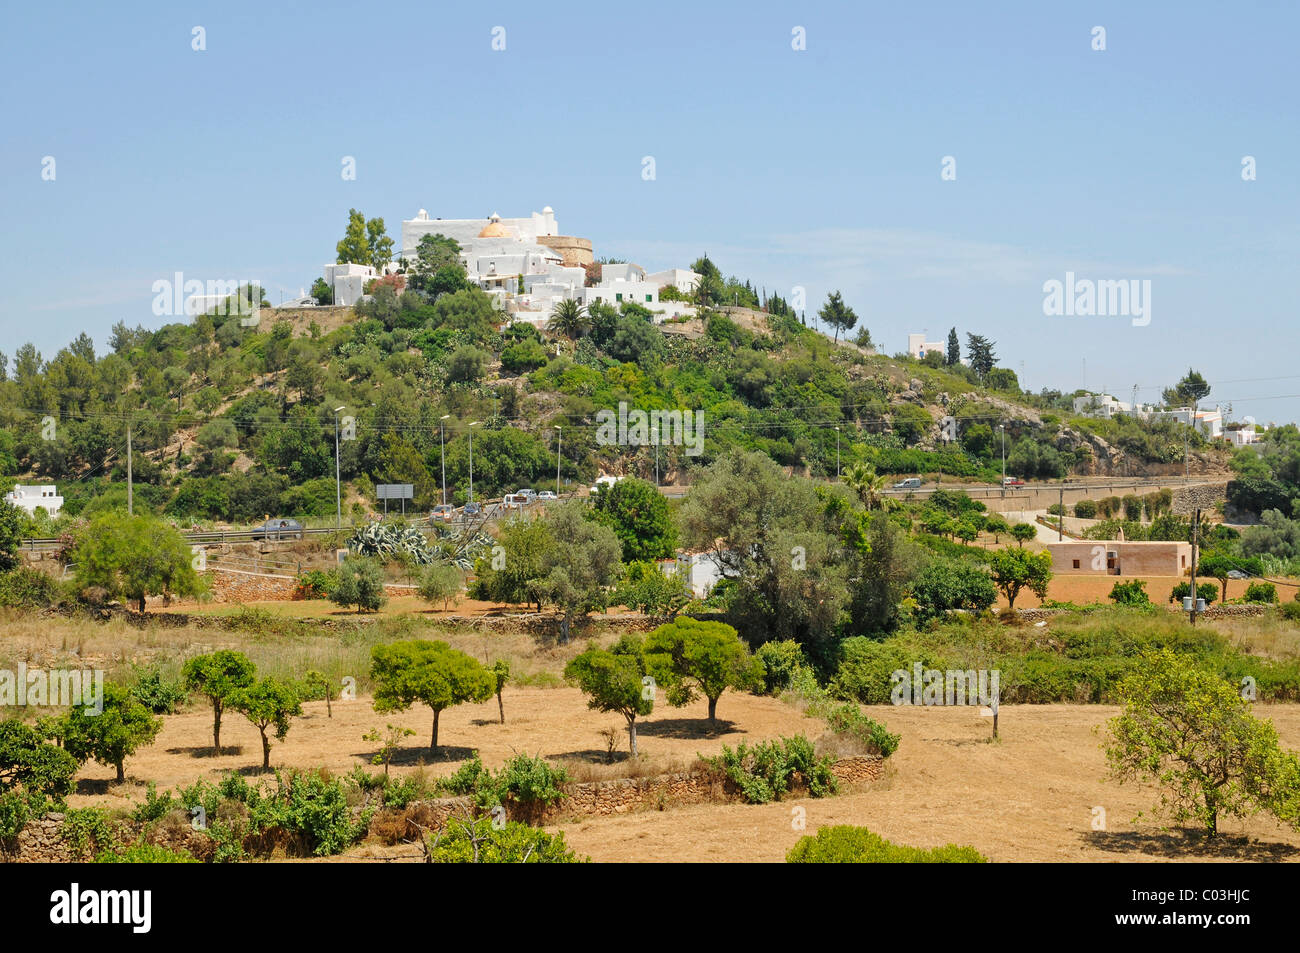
423 214
548 211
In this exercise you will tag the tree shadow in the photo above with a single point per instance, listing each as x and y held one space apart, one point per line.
593 756
690 728
206 751
480 722
1185 843
418 756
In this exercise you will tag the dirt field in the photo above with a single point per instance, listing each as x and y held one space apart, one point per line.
1085 588
554 723
1031 797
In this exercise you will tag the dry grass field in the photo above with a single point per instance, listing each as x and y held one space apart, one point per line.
1031 796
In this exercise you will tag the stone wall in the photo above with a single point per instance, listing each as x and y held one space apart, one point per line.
238 585
1206 496
41 841
1211 612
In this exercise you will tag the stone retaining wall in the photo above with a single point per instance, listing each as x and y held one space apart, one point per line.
41 841
1205 496
1211 612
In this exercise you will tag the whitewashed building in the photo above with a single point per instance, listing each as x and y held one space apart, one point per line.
919 347
348 281
29 497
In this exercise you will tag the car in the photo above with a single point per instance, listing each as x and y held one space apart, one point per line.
513 501
1012 481
279 529
473 509
443 512
1237 574
528 495
911 483
546 496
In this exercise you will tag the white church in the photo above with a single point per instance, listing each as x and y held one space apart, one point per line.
527 266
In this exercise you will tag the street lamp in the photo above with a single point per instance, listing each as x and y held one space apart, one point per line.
338 485
837 453
471 459
559 442
442 451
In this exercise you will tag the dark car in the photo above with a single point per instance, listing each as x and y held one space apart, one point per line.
279 529
473 509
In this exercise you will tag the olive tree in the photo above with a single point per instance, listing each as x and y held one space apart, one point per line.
432 673
133 557
360 583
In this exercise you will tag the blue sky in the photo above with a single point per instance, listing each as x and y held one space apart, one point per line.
818 168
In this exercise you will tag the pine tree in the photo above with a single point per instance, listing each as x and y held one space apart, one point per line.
954 348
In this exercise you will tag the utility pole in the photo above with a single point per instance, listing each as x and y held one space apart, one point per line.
130 492
442 451
338 484
837 453
471 460
1002 428
1060 517
1196 524
559 442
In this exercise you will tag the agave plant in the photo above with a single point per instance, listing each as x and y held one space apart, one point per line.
447 545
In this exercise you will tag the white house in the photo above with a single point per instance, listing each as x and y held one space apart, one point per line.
919 347
1100 405
1208 422
701 570
348 280
682 279
28 498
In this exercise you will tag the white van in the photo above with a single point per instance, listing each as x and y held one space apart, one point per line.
911 483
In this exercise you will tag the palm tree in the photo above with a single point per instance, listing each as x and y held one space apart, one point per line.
865 482
570 319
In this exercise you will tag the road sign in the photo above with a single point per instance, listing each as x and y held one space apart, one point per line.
395 491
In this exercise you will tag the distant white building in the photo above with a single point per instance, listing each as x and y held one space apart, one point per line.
682 279
28 498
466 230
1100 405
1208 422
919 347
1242 437
701 570
348 281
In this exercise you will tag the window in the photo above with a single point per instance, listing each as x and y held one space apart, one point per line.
1076 564
1183 561
619 296
647 299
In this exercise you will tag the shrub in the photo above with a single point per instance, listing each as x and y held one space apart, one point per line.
528 782
27 588
1131 593
87 831
781 661
1291 611
847 719
844 844
480 842
1261 592
1085 509
1204 590
770 769
1108 507
1132 507
158 694
144 854
358 582
313 584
